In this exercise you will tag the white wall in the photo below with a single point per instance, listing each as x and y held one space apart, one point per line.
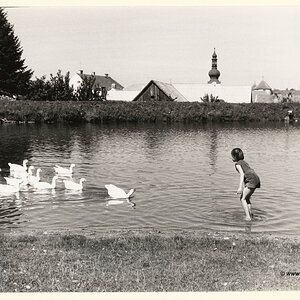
232 94
75 81
120 95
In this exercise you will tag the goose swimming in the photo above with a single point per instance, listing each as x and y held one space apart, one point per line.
33 179
64 171
46 185
71 185
118 193
13 181
18 168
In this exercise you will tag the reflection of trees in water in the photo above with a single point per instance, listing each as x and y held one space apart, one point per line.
87 140
63 138
153 139
9 212
14 144
59 136
157 134
213 150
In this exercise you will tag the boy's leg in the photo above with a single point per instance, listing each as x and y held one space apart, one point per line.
246 198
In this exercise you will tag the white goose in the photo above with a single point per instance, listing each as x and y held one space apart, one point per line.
18 168
21 173
117 193
64 171
19 178
24 176
71 185
8 189
33 179
13 181
46 185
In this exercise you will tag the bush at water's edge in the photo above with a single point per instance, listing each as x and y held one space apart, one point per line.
93 111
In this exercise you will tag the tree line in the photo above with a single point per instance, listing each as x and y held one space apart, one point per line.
16 78
57 88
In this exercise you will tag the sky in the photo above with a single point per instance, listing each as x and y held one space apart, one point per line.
173 44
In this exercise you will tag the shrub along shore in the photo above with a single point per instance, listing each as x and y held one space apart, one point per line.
148 261
117 111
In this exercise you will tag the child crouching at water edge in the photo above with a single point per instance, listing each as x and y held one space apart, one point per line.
249 181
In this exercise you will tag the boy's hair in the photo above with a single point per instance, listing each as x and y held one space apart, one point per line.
237 154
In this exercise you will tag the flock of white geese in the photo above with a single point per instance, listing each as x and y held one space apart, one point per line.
21 175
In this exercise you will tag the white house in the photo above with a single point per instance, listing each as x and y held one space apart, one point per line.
101 82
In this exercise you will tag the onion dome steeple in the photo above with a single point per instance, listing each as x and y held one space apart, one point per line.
214 73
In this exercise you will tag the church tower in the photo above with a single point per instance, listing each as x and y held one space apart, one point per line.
214 73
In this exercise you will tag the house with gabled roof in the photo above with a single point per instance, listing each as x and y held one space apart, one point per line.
101 82
262 93
263 86
192 92
195 92
159 91
182 92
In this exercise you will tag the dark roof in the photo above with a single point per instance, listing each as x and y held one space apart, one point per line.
170 90
167 88
103 81
262 86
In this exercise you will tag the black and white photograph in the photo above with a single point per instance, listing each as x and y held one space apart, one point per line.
149 148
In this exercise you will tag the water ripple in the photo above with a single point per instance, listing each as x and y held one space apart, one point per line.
183 175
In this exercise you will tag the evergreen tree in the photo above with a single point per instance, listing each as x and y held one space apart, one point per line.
14 78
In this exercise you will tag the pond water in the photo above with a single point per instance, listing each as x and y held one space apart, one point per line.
183 175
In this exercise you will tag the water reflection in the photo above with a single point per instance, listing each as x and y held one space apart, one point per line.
213 148
13 137
10 211
183 173
120 201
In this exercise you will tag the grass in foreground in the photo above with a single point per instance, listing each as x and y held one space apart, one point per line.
146 262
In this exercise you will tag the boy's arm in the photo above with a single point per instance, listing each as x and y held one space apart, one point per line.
241 172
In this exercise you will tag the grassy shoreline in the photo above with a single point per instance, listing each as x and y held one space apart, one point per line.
117 111
148 261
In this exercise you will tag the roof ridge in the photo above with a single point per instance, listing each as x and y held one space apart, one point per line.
262 86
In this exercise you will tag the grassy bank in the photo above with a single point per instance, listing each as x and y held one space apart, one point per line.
147 261
45 111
